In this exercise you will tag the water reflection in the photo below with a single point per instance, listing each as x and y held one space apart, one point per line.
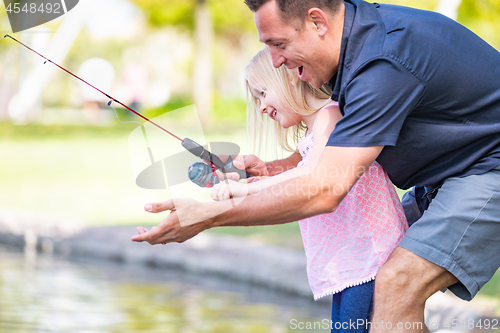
50 294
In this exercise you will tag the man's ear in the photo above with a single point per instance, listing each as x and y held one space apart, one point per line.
319 19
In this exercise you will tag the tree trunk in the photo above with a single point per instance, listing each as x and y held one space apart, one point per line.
203 73
24 103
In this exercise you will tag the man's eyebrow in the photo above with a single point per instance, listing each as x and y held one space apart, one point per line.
272 41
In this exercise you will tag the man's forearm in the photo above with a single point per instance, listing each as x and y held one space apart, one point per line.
279 166
318 192
286 202
261 185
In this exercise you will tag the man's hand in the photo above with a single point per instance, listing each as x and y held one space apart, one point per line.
251 164
170 229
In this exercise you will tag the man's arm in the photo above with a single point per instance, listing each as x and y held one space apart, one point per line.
276 167
258 168
318 192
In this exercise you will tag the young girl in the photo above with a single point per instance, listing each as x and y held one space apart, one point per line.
344 249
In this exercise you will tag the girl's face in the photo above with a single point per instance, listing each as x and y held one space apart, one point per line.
276 108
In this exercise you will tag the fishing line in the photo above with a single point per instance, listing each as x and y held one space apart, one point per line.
143 128
102 92
118 118
194 148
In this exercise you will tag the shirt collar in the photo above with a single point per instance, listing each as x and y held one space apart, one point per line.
335 81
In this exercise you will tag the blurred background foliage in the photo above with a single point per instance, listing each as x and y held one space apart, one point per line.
185 51
482 17
230 18
165 42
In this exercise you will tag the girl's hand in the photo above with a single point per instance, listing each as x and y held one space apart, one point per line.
253 179
229 189
250 180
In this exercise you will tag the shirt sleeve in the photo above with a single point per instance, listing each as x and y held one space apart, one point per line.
377 101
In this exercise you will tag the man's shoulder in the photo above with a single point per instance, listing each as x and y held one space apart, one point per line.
421 41
387 29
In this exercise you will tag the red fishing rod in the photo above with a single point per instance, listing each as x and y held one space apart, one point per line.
102 92
198 174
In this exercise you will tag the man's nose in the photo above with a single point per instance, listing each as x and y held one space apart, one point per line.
278 59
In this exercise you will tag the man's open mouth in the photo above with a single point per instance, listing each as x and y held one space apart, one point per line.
301 70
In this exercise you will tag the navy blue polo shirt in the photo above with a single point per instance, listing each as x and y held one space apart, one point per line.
423 86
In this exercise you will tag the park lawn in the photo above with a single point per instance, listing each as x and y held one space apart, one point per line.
83 174
78 171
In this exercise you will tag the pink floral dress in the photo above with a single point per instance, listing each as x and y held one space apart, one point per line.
347 247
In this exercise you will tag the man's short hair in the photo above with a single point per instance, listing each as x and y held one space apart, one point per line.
296 10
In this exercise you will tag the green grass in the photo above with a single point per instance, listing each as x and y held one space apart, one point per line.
37 132
84 173
492 288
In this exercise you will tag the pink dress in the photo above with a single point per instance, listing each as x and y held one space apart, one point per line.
347 247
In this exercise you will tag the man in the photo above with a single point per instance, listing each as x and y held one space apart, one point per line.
419 93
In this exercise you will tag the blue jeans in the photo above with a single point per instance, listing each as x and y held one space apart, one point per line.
351 309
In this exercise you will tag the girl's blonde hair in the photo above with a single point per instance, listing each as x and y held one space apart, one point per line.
285 86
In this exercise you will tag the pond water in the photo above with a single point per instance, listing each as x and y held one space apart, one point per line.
44 293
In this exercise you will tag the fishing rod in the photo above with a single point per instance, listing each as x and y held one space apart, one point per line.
199 173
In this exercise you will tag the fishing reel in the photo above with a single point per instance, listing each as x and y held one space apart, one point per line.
204 173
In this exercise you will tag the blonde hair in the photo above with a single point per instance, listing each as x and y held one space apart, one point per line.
284 85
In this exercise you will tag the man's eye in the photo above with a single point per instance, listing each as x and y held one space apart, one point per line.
278 45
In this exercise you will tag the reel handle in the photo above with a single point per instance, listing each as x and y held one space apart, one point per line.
230 168
197 150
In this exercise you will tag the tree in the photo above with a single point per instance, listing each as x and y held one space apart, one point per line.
206 19
482 17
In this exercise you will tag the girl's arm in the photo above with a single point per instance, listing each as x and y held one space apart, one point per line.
323 127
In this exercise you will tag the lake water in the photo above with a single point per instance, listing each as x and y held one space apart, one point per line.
41 293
